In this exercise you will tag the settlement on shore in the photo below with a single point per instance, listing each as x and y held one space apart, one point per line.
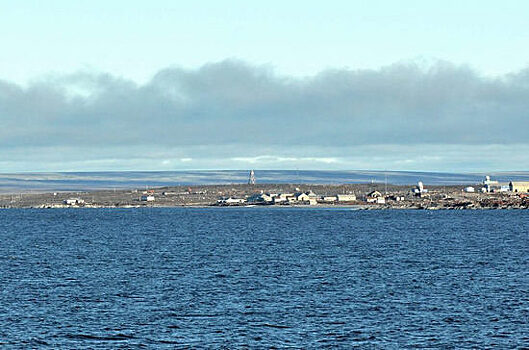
489 194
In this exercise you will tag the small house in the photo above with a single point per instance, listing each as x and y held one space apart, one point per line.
375 197
267 197
279 200
74 201
283 197
329 199
147 198
374 194
260 198
519 186
346 197
232 200
396 198
376 200
301 197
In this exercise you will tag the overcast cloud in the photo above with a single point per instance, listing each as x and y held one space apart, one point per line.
232 115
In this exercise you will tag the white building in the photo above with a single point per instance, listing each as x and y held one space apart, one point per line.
519 186
73 201
396 198
261 198
329 199
301 197
376 200
346 197
283 197
490 184
267 197
419 188
147 198
231 200
375 197
279 199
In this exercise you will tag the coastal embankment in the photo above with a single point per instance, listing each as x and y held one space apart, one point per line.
361 196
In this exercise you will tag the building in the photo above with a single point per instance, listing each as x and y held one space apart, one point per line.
419 189
376 200
311 194
73 201
231 201
301 197
375 197
256 198
490 185
519 186
329 199
261 198
282 198
268 197
313 197
147 198
346 197
298 197
374 194
279 200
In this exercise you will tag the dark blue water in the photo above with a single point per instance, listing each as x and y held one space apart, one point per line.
261 278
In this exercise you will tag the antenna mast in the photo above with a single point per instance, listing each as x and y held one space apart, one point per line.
251 179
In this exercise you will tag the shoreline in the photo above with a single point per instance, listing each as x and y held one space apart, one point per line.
352 208
355 207
395 197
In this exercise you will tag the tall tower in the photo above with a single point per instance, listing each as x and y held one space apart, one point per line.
251 179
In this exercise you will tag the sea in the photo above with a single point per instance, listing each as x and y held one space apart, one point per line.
86 181
262 278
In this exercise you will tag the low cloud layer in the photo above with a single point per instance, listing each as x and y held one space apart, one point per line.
246 115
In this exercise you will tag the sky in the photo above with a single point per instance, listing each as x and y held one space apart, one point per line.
338 85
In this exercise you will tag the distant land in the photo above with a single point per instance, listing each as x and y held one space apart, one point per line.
86 181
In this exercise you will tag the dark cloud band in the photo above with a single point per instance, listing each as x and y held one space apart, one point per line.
233 102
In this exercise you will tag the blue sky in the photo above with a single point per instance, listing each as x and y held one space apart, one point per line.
65 67
137 38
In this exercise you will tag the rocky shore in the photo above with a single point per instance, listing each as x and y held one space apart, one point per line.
396 197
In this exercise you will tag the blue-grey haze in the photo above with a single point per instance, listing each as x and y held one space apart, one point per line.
83 181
